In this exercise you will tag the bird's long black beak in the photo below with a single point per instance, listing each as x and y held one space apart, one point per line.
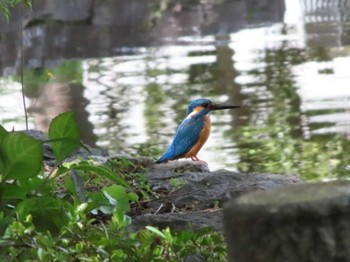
220 107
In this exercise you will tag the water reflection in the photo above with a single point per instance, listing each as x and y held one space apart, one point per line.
290 77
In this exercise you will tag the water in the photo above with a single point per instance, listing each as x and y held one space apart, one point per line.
286 65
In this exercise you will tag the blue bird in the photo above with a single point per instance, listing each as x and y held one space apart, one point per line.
193 132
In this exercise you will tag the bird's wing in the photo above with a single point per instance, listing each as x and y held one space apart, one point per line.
186 136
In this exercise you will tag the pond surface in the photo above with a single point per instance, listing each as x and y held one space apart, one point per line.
286 64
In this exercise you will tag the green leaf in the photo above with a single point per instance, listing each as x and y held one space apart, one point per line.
133 196
49 213
69 185
64 135
2 165
79 186
6 5
6 12
61 171
97 201
156 231
117 193
28 3
22 156
82 207
100 170
4 222
35 184
12 191
120 219
3 133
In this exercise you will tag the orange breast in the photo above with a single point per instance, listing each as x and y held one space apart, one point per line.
203 137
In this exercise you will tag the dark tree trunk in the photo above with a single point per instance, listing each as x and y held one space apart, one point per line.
309 222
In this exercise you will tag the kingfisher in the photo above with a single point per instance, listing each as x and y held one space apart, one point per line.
193 131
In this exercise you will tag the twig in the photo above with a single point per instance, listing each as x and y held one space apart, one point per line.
173 207
159 208
22 65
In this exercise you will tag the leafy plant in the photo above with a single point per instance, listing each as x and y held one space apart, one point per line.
24 190
82 240
21 156
6 5
45 218
64 135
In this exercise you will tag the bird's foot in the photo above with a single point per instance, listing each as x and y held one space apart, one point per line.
195 158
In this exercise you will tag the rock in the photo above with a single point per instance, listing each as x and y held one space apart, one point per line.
67 11
131 14
136 161
298 223
191 194
204 189
180 221
158 170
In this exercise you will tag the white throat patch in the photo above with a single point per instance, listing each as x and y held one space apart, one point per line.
194 112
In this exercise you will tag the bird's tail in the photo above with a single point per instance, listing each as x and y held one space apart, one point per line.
160 160
165 158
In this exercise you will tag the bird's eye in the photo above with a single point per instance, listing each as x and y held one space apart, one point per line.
205 105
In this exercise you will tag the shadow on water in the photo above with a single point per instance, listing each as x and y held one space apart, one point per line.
129 77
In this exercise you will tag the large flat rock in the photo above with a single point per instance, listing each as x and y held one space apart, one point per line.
190 194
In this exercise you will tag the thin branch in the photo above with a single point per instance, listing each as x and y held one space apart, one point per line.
22 65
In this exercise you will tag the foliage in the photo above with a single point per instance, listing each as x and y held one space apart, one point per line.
273 141
21 156
83 240
6 5
24 189
64 132
272 149
43 219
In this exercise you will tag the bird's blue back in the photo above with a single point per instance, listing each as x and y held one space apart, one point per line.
186 136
